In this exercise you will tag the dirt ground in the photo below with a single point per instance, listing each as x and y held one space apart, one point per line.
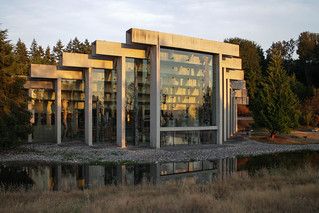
300 136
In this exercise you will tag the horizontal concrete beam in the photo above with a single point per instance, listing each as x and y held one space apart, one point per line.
85 61
235 74
141 36
38 84
232 63
117 49
51 72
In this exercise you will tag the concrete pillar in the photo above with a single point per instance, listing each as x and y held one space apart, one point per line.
155 173
32 115
155 105
224 106
228 105
120 102
219 96
88 107
58 111
236 115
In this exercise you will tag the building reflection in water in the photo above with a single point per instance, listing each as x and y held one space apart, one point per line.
71 177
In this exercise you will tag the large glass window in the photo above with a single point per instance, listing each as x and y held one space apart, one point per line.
186 88
43 110
104 105
72 92
137 101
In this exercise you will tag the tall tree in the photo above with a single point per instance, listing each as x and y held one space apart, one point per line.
58 50
86 47
276 106
14 116
48 56
252 60
21 59
308 64
36 53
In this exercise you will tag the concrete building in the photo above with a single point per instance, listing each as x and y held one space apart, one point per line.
157 89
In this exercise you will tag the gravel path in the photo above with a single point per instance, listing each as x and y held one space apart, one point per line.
101 153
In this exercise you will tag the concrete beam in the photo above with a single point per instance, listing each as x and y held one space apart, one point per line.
85 61
141 36
232 63
117 49
235 74
52 72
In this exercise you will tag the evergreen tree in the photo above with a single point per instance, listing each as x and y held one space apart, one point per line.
14 116
21 59
69 47
48 56
58 50
36 53
86 47
275 106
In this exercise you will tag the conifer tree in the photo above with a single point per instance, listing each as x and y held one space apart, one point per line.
275 106
14 116
36 53
58 50
21 59
48 56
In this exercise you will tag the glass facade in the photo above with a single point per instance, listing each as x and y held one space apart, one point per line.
72 107
104 105
186 88
43 111
188 137
137 101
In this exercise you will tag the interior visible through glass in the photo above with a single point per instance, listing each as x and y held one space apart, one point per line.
137 101
104 105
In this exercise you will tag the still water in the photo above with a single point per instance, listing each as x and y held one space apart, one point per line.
52 177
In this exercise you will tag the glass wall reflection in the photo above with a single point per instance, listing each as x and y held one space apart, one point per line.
43 113
104 105
73 123
137 101
186 88
169 138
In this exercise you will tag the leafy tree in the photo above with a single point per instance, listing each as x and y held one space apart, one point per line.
276 106
58 50
14 116
252 60
308 63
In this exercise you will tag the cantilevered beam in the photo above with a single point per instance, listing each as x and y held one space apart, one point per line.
52 72
117 49
85 61
141 36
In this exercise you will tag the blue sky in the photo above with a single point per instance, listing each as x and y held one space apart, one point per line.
261 21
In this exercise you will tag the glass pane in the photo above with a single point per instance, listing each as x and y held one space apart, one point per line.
104 105
137 101
186 88
43 111
72 117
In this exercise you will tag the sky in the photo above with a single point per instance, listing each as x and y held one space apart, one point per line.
261 21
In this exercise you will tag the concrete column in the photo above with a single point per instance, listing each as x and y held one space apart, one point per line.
32 115
155 105
228 105
58 111
236 116
120 102
88 107
219 96
224 106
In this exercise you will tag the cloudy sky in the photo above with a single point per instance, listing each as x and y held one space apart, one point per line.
262 21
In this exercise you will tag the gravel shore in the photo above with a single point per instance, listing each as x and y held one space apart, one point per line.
101 153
